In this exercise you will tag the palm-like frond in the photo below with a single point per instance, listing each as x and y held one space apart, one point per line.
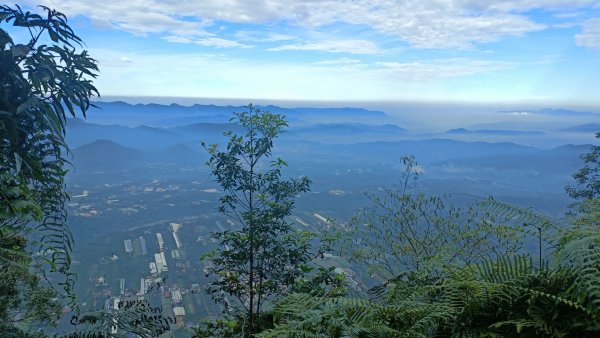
503 297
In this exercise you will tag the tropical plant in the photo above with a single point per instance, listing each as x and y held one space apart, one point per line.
40 82
23 301
262 257
507 297
322 281
133 317
587 179
405 231
43 80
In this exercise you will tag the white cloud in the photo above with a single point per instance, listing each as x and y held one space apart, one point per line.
566 25
258 36
424 23
206 75
438 69
338 62
525 5
590 34
177 39
568 15
208 42
334 46
119 61
218 42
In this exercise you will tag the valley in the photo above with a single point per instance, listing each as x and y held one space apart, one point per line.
130 183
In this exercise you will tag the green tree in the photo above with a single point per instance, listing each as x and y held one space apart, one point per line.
260 259
44 79
499 296
404 231
587 179
508 297
23 301
502 295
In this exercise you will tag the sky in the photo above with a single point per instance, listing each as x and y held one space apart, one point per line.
528 51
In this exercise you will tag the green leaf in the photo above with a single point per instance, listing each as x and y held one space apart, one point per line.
20 50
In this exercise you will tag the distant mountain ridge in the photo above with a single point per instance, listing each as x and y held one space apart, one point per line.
174 114
584 128
349 128
149 138
141 137
561 159
548 111
463 131
103 155
106 155
206 127
433 149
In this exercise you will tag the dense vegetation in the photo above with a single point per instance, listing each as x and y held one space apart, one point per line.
587 179
260 261
488 269
37 81
441 270
43 80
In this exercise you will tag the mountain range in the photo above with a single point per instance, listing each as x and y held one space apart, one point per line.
174 114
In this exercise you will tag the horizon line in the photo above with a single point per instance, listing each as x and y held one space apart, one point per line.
191 100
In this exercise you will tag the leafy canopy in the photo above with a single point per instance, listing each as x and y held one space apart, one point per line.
587 179
261 257
43 80
404 231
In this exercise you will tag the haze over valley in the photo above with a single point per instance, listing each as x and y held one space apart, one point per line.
139 168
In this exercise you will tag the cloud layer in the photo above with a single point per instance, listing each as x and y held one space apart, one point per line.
420 23
343 49
334 46
590 35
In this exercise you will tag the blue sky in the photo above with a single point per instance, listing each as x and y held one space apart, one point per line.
529 51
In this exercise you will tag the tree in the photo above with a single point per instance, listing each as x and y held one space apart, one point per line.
502 295
587 179
23 301
508 297
261 258
407 232
43 80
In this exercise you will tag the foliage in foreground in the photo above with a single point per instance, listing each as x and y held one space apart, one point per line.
507 297
587 179
42 81
258 260
502 295
38 79
406 230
